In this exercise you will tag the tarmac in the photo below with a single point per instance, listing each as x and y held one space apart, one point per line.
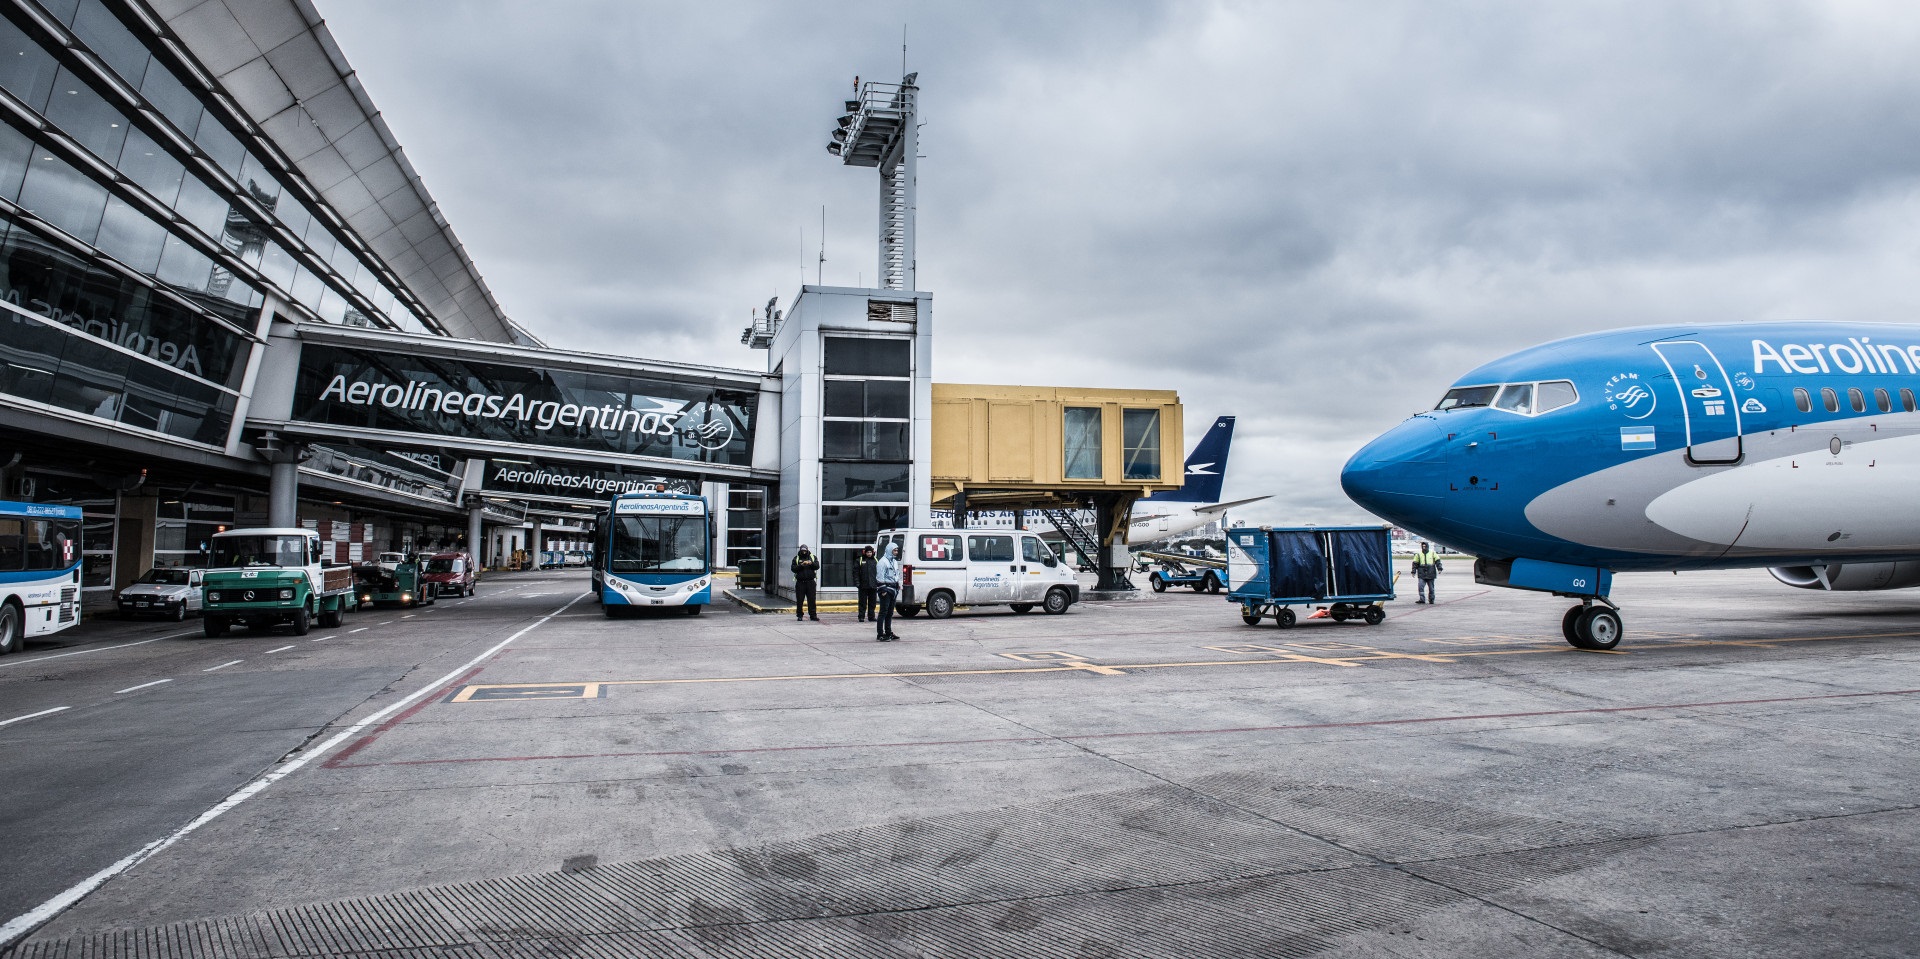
518 775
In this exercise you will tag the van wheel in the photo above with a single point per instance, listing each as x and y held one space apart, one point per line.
13 635
909 611
1159 585
1057 601
940 605
214 626
1022 607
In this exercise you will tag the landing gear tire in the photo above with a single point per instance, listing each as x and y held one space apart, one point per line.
1057 602
1599 628
1021 607
1375 615
1570 625
1159 585
939 606
1285 618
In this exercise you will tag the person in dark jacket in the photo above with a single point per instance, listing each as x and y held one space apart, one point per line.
866 579
1426 566
806 578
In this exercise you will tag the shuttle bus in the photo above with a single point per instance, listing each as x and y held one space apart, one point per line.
652 550
39 571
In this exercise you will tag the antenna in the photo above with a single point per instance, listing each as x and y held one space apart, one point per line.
903 47
821 263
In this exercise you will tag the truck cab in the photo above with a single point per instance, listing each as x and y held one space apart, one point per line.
272 576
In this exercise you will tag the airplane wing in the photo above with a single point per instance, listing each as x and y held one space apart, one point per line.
1223 507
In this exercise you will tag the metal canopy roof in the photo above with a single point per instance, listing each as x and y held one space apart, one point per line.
280 64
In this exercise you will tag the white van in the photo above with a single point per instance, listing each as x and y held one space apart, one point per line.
985 567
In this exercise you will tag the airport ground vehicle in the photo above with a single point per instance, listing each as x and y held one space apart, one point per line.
946 568
399 585
167 592
39 571
652 550
271 576
1348 570
452 574
1200 573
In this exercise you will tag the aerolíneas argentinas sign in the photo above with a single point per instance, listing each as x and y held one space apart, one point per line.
344 386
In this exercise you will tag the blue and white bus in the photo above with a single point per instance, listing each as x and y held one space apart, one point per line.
652 550
39 571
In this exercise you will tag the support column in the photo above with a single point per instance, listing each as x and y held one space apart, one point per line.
283 491
476 534
1111 513
535 547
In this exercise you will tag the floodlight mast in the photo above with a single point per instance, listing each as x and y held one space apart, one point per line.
881 129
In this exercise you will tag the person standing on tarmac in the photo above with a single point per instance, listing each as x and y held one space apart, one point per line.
887 573
806 576
866 579
1426 566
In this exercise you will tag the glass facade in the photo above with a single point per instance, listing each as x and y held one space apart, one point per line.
866 447
746 533
1082 438
1140 434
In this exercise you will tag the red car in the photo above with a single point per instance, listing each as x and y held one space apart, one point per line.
453 572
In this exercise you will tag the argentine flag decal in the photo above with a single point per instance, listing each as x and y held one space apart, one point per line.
1636 437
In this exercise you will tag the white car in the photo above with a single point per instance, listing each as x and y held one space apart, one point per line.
988 567
171 592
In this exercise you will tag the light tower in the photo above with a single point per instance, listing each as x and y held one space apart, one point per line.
880 129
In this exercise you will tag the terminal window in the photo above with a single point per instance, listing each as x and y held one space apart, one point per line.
1082 435
1141 430
867 356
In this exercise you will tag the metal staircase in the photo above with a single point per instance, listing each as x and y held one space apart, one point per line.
1077 536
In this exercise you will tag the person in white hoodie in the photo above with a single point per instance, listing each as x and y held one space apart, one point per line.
888 575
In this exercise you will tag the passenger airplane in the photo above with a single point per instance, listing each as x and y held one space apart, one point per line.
1195 504
1790 446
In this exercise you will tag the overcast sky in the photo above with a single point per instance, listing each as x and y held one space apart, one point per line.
1313 216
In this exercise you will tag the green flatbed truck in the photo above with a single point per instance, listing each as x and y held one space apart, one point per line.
262 578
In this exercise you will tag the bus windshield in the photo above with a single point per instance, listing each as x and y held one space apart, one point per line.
232 551
648 544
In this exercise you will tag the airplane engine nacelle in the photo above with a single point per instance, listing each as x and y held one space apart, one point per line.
1851 577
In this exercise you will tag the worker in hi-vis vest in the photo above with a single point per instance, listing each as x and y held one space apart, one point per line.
1426 566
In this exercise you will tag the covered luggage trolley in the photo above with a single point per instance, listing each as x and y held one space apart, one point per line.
1349 569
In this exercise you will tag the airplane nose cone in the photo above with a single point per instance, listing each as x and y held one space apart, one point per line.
1400 476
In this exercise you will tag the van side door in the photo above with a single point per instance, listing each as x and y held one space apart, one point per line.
1038 569
992 568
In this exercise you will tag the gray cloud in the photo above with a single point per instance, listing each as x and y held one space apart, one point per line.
1311 215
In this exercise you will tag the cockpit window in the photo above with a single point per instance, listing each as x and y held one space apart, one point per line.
1516 398
1554 394
1461 397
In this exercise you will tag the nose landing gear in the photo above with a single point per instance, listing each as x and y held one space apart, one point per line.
1590 626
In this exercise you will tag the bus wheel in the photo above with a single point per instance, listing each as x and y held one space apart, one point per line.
612 611
12 635
693 610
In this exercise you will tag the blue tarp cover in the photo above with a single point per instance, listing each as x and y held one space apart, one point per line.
1298 565
1362 562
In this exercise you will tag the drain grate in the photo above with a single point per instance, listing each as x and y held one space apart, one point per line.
1162 871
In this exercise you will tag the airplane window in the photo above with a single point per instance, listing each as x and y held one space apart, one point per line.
1802 400
1906 400
1554 394
1461 397
1516 398
1858 400
1830 398
1880 397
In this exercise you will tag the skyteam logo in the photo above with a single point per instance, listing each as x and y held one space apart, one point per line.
1627 394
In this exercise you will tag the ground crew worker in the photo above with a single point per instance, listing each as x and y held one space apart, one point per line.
887 573
1426 566
866 579
806 576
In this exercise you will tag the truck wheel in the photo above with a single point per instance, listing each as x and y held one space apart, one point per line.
1285 618
12 631
302 621
1057 601
940 605
1159 585
331 618
214 626
1022 607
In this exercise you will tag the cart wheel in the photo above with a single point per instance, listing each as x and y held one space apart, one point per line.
1375 615
1285 618
1251 619
1339 613
1159 585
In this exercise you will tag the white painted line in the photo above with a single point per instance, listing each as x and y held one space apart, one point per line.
83 652
280 650
26 922
43 712
362 629
410 615
141 686
387 622
222 666
322 639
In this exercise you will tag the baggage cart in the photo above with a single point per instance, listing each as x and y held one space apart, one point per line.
1347 570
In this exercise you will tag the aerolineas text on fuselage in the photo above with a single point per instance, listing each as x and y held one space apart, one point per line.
1789 446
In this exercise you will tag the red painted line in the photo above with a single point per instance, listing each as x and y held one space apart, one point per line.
335 763
339 758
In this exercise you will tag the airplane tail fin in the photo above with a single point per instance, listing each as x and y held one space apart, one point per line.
1206 467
